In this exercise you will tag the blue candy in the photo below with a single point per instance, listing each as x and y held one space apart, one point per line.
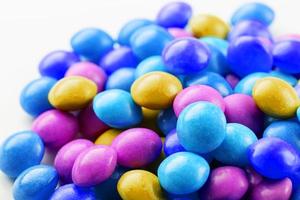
92 44
233 150
35 183
298 114
167 120
121 79
220 44
34 97
246 84
192 196
56 63
171 144
73 192
296 193
286 77
183 173
19 152
153 63
117 109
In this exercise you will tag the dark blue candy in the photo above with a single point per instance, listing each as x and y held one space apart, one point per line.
192 196
73 192
296 193
56 63
121 79
167 120
171 144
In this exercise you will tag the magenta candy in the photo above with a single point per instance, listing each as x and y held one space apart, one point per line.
272 189
66 157
253 177
232 80
179 33
196 93
56 128
137 147
89 70
90 125
241 108
225 183
94 165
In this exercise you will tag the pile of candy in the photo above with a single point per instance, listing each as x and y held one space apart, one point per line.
180 107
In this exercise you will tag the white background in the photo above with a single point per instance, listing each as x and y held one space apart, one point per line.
29 29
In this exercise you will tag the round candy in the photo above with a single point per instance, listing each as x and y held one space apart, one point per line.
186 55
220 44
233 150
34 97
241 108
275 97
232 80
171 144
118 58
137 147
56 128
129 28
72 192
174 14
56 63
197 93
90 71
273 157
201 127
167 120
125 114
72 93
286 77
183 173
139 184
208 25
150 120
153 63
108 137
246 84
253 177
145 90
35 183
66 157
92 43
296 194
121 79
225 183
179 33
249 54
253 11
94 165
19 152
149 41
191 196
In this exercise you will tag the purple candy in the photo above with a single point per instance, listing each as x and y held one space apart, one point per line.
94 165
232 80
241 108
56 128
179 33
137 147
89 70
196 93
66 157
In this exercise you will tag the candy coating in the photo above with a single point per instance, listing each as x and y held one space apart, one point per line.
121 79
72 192
107 137
153 63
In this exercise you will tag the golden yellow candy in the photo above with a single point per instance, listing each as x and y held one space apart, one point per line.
155 90
72 93
275 97
205 25
107 137
149 114
139 185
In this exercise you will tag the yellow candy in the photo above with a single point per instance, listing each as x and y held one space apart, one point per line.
139 185
107 137
275 97
208 25
155 90
72 93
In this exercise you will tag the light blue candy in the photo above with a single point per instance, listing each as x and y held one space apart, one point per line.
246 84
286 77
121 79
220 44
167 120
298 114
36 183
233 150
183 173
19 152
153 63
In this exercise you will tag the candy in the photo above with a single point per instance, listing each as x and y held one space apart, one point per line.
35 183
34 97
246 84
139 184
145 91
107 137
171 144
56 128
66 157
104 105
19 152
91 43
183 173
220 44
275 97
167 120
201 127
72 191
90 71
204 25
179 33
72 93
94 165
150 120
121 79
174 14
137 147
286 77
151 64
233 150
186 55
56 63
232 80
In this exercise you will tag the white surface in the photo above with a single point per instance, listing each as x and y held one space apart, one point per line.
29 29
